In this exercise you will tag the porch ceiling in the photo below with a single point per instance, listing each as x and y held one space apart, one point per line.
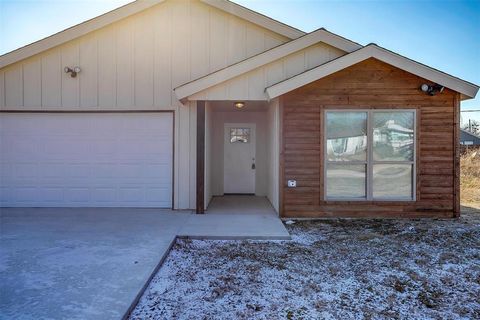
227 106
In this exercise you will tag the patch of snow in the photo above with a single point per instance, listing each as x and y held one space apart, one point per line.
334 269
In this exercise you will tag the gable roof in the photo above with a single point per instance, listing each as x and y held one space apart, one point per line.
278 52
466 89
131 9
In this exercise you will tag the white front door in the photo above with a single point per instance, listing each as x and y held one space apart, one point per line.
239 158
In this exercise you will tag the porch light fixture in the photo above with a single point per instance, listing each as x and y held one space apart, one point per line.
432 89
239 104
73 72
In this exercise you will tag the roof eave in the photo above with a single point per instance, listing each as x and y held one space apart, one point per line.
321 35
466 89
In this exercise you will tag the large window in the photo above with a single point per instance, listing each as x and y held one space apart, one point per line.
370 155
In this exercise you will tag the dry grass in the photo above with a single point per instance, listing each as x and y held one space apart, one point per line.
470 178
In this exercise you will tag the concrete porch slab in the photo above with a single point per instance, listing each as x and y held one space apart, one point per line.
236 217
91 263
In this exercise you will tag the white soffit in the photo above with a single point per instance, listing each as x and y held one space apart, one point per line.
321 35
76 31
467 89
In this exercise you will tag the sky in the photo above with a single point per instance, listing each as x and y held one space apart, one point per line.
442 34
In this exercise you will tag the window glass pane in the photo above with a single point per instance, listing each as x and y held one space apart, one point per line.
346 181
393 136
239 135
392 181
346 136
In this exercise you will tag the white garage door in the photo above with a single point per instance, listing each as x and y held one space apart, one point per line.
86 159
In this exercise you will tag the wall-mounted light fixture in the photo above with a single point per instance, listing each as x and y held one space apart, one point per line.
73 72
432 89
239 104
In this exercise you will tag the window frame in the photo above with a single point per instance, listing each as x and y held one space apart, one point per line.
370 162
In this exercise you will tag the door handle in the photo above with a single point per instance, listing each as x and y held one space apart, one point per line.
253 166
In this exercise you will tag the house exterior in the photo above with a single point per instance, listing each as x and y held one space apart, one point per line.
469 139
174 102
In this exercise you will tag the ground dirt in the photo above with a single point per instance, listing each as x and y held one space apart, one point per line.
332 269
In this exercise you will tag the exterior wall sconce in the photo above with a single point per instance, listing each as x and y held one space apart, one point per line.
432 90
239 105
73 72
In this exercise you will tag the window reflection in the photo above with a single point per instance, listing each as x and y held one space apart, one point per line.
241 135
346 136
346 181
392 181
393 136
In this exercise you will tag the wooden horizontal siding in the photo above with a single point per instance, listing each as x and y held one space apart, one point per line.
368 85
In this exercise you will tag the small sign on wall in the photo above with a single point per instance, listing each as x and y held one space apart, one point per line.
292 183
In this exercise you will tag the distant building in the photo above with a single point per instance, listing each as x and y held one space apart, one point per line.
469 139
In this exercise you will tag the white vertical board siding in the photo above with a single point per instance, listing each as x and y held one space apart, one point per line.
200 50
51 80
185 155
125 67
162 75
218 38
135 63
183 160
14 86
70 86
89 75
273 157
107 69
192 156
143 56
32 83
236 40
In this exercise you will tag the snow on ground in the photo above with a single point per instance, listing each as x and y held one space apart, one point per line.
332 269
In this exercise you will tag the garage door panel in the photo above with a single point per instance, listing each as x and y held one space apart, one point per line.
86 159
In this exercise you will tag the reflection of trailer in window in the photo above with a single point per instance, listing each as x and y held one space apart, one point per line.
346 146
394 135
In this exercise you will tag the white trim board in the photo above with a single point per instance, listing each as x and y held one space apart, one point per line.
321 35
468 90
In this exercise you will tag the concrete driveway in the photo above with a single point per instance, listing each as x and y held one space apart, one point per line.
62 263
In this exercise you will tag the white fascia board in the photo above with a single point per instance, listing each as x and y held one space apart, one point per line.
283 50
467 89
256 18
76 31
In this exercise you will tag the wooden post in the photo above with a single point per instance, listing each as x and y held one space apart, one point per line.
200 157
456 159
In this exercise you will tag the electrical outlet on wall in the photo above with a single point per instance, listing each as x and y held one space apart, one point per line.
292 183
